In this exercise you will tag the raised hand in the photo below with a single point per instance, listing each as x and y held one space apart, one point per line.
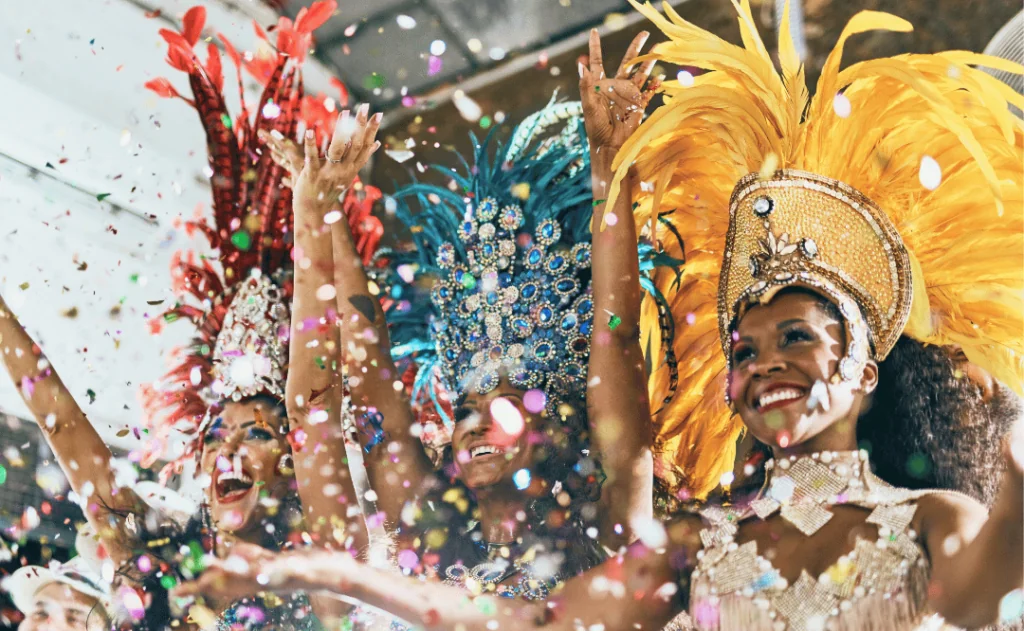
322 179
247 570
613 107
285 153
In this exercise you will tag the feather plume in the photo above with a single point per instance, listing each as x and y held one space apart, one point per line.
965 236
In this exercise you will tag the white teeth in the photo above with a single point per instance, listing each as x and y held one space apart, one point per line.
235 475
782 394
483 450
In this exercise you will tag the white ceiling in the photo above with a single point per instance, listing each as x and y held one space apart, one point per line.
71 76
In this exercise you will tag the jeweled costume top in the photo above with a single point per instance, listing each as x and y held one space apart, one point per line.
770 189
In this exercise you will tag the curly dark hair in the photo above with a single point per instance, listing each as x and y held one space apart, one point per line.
929 427
559 528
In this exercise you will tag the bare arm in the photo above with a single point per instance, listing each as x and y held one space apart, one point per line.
366 353
618 408
637 590
976 561
313 391
82 454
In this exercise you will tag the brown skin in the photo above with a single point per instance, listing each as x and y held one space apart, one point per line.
967 583
617 404
489 477
790 344
252 431
58 607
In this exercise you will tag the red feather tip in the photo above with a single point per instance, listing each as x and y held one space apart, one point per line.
192 24
308 20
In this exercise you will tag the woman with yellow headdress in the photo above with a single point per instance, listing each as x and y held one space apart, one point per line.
820 236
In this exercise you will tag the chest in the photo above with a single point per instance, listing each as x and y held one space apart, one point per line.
768 574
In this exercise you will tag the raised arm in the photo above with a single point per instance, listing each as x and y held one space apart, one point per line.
82 454
976 561
637 590
313 391
618 408
383 414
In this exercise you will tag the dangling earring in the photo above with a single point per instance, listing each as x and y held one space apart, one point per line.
286 465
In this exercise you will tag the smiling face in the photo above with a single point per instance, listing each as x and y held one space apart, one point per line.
494 437
58 607
242 450
782 368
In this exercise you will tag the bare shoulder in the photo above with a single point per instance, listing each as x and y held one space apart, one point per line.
947 512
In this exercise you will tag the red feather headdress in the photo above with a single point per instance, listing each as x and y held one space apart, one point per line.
252 213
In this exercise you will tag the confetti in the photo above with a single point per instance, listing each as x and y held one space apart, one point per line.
102 196
841 105
399 155
241 240
614 321
468 108
930 173
3 475
534 401
364 305
521 479
405 22
685 78
91 394
507 416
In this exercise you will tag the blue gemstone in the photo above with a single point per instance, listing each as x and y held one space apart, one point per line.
528 291
492 298
534 256
569 322
488 249
586 327
542 350
521 325
451 355
547 230
556 263
544 314
584 307
566 285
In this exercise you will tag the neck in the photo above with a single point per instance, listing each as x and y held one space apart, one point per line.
841 436
498 508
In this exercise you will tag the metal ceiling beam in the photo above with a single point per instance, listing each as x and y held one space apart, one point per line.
523 60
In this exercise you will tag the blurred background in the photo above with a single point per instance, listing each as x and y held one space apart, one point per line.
96 172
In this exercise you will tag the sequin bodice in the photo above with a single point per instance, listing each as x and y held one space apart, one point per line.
880 586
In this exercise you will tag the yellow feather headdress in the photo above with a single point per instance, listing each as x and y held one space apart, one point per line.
923 147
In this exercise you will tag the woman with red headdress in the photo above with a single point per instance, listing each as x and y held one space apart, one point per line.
256 392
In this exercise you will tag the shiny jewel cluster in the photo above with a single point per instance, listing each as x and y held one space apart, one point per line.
251 352
514 303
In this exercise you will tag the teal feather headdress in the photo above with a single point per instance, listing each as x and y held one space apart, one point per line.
508 256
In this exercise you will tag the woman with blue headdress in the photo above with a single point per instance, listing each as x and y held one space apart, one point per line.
498 323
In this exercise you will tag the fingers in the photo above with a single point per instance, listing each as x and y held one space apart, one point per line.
358 138
596 60
250 552
370 142
631 53
185 590
641 76
342 138
312 154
